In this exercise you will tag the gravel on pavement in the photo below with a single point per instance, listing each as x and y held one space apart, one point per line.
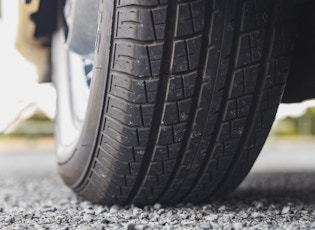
32 196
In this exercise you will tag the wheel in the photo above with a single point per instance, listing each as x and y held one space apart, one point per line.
182 99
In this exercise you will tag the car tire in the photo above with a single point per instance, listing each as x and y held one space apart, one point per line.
183 97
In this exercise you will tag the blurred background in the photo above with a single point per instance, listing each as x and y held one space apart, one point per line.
28 108
21 98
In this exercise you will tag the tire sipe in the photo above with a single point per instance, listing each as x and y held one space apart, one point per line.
183 96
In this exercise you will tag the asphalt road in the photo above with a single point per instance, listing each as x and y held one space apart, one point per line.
278 193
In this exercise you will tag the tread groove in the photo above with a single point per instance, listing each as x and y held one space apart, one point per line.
232 65
165 72
194 107
262 77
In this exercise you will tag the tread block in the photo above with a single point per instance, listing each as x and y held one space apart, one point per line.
143 136
159 17
160 154
190 18
176 89
193 51
138 2
255 14
165 135
138 153
151 90
184 109
243 105
170 114
127 113
128 89
147 113
142 24
185 24
121 133
155 56
179 131
110 145
189 81
180 61
131 59
250 75
237 127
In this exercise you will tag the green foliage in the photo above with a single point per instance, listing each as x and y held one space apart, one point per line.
291 126
36 126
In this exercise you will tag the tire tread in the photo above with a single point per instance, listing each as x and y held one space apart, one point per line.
193 90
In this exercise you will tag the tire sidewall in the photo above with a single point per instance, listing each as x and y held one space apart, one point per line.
74 162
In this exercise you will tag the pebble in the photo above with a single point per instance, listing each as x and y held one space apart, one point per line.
144 215
99 211
136 211
141 227
184 215
258 204
237 226
174 218
130 226
88 218
169 214
205 225
29 216
10 220
243 214
188 222
157 206
256 215
222 208
59 219
285 210
90 211
77 218
161 211
50 209
213 217
114 209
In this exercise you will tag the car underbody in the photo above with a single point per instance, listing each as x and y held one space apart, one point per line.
38 22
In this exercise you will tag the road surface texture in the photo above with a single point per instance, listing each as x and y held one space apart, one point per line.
278 193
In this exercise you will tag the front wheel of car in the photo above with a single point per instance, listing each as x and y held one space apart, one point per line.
182 98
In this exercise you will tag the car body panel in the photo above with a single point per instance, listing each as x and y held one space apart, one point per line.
33 48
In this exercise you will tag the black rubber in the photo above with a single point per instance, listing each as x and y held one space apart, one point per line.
183 98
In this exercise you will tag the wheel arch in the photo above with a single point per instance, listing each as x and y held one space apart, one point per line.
301 80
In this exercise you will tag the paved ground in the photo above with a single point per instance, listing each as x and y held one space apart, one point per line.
279 193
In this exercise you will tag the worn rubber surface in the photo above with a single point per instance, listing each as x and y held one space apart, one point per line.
191 91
